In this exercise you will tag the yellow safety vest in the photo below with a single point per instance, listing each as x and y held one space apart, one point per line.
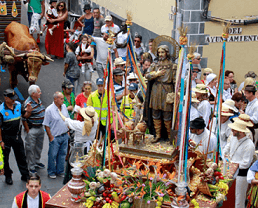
127 107
94 101
1 159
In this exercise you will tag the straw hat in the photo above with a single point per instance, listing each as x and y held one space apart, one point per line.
132 76
210 77
201 88
209 70
245 118
119 61
230 104
225 111
88 113
194 98
239 125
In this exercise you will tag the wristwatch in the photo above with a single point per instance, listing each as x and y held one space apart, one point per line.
1 141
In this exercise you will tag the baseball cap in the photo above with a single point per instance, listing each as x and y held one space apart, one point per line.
100 81
108 18
67 84
11 94
133 86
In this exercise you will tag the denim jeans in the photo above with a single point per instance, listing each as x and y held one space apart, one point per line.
84 76
56 154
100 69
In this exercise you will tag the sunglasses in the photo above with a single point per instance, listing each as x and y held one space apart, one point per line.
198 58
205 74
136 41
195 71
61 5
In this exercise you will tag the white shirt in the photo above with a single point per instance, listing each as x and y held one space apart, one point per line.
32 203
250 176
194 113
226 95
114 28
225 131
121 39
102 50
252 110
241 86
240 151
204 109
87 50
77 126
204 139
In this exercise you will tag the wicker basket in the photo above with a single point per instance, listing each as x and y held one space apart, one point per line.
204 188
140 203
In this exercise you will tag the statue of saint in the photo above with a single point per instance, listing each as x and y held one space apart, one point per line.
163 74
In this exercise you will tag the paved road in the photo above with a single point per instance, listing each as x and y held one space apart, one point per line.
50 79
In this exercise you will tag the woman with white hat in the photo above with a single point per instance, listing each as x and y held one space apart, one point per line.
232 108
245 118
211 83
204 107
85 131
240 150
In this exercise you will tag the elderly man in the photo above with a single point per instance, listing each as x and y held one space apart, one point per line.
57 134
200 135
10 135
226 92
163 73
240 150
33 197
34 130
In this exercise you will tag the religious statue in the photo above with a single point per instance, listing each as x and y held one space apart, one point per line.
163 75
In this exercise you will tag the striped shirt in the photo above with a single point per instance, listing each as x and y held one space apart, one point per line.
37 114
119 89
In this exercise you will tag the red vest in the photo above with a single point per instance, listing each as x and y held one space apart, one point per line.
20 198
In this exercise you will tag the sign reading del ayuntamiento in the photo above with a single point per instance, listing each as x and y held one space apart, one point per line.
233 38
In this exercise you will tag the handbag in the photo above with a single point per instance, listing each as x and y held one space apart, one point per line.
170 96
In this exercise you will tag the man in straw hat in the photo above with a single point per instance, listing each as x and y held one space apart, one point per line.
204 107
194 112
225 130
232 108
200 135
163 74
245 118
240 150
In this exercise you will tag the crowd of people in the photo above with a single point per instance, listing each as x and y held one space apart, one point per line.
77 111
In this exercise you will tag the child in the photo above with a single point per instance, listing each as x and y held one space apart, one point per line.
51 14
252 178
76 35
83 53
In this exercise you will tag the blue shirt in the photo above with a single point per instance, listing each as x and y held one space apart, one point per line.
54 121
119 89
